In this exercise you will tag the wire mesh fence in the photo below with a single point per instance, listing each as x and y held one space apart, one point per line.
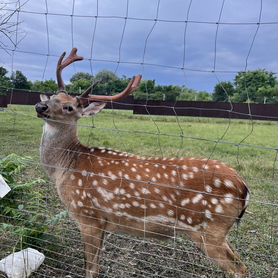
32 214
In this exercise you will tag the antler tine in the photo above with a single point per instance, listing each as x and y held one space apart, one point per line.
131 87
86 98
62 64
90 89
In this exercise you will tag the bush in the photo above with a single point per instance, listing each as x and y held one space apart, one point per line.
20 209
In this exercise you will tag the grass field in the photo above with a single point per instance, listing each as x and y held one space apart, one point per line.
250 147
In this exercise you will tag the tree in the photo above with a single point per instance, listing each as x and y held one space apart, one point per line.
148 86
5 82
20 81
47 86
80 81
81 76
222 91
106 76
255 86
204 96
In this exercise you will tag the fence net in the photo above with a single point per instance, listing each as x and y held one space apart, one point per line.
155 39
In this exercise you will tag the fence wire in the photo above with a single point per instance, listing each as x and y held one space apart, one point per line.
42 222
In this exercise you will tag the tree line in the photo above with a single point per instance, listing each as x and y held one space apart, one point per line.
258 86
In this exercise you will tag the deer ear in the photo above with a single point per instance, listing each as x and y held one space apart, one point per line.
44 97
93 108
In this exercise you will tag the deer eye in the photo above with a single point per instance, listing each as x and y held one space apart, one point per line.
68 108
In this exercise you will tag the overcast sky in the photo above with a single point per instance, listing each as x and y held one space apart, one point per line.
183 46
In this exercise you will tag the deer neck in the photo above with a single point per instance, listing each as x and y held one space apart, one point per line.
59 146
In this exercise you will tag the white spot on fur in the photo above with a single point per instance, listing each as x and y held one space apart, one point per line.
95 182
135 204
153 179
195 169
107 196
112 176
219 209
208 214
229 183
214 201
132 185
185 202
165 198
157 190
208 188
174 173
197 198
133 169
143 206
185 176
80 204
182 217
72 177
122 206
84 173
189 220
228 198
122 191
80 183
217 182
145 191
170 212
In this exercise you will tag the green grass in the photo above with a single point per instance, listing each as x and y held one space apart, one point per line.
255 159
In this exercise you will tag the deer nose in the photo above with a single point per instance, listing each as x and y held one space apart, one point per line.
41 107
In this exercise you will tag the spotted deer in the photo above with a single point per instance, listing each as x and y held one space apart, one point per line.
108 190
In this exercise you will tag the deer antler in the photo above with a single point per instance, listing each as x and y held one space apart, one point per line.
62 64
131 87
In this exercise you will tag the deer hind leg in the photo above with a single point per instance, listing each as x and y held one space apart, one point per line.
220 252
92 236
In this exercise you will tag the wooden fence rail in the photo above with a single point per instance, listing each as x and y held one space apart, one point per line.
180 108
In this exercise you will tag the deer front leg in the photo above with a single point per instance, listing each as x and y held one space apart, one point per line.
92 235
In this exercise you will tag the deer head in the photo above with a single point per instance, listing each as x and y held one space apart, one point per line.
63 108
